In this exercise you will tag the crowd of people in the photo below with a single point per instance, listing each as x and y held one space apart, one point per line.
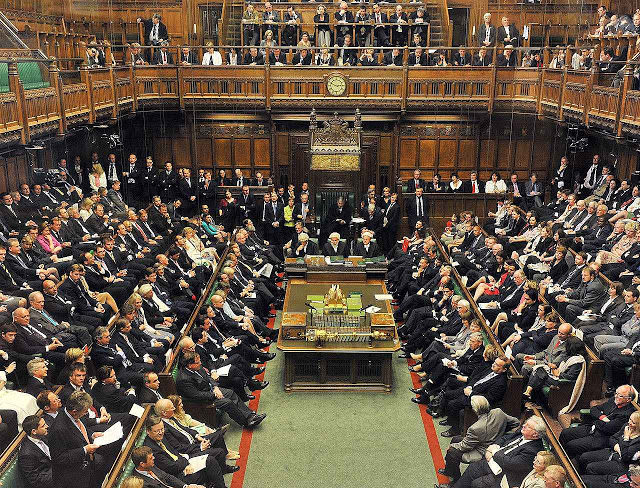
552 280
102 267
365 35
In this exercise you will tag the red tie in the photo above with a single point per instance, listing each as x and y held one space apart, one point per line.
474 188
557 344
144 236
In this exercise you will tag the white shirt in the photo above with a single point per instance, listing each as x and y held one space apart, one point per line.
214 59
43 447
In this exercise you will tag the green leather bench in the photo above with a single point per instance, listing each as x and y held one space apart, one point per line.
29 73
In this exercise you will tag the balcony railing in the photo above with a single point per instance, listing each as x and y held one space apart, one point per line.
92 95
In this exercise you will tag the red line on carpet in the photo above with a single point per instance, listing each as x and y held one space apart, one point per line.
430 431
247 434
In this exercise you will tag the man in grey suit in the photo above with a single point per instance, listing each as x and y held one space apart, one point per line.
305 246
552 356
591 294
115 198
513 453
491 425
38 316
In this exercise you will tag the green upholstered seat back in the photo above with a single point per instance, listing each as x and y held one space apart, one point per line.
128 468
11 476
29 73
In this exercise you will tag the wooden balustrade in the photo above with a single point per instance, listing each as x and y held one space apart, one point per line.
93 94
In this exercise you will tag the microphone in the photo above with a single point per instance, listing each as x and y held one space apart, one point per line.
310 305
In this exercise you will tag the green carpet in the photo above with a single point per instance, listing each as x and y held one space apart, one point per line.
373 440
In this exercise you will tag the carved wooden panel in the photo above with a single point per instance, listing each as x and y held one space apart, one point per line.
467 156
428 156
408 153
448 155
522 157
385 154
182 152
241 152
204 153
262 153
222 152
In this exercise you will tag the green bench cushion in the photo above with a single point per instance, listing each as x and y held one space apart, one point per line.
11 476
29 73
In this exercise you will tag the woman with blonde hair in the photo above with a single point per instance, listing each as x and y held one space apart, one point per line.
85 208
133 482
187 421
323 30
71 356
623 450
620 247
535 478
97 177
196 250
267 42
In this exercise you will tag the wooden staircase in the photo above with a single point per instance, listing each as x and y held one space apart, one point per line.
232 22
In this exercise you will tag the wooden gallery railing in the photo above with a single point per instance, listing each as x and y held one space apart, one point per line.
91 95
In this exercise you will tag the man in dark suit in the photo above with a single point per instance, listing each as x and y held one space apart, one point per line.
154 30
514 453
483 58
473 185
393 58
381 30
253 57
486 32
32 340
60 308
188 189
162 56
507 33
131 181
148 181
166 453
74 457
534 191
305 247
415 182
106 392
167 182
605 420
508 58
334 246
302 209
150 391
152 476
417 209
366 248
73 290
38 381
246 203
34 458
517 188
11 216
401 30
591 294
390 220
462 58
195 385
104 354
492 385
188 57
338 218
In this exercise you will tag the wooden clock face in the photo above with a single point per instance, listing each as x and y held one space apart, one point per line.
336 85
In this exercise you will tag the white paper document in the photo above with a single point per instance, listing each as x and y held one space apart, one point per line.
224 371
266 270
486 306
372 309
383 296
495 467
136 410
198 463
508 352
167 356
112 434
579 334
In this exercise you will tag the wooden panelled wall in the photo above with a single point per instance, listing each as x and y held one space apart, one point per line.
13 171
504 144
280 150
